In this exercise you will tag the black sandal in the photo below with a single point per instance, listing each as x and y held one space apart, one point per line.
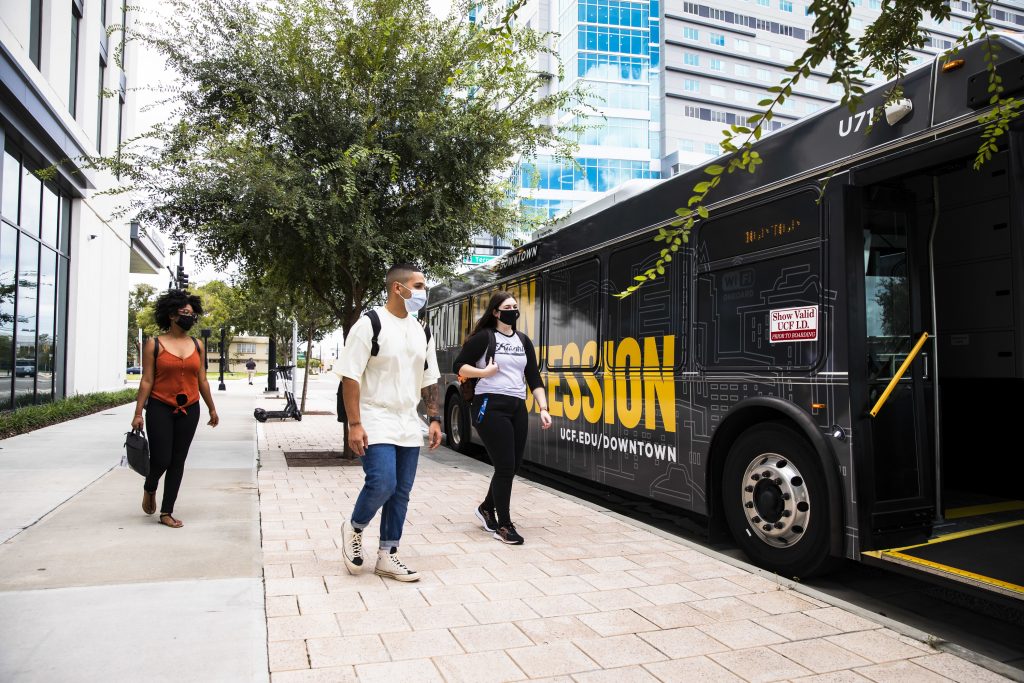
174 523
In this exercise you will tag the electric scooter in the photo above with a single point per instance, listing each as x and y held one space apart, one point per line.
291 409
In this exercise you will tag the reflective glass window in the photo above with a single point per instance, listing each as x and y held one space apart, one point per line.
47 325
31 195
12 188
8 267
25 327
50 215
573 305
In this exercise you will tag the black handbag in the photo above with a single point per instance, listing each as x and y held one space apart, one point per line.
137 450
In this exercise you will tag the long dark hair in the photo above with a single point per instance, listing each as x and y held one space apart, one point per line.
488 319
168 303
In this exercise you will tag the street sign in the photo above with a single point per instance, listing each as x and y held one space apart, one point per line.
477 259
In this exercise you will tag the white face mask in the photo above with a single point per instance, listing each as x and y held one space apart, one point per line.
415 302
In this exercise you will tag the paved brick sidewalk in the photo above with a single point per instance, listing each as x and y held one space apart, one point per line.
588 598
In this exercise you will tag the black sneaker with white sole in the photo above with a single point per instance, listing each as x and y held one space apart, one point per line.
509 535
487 519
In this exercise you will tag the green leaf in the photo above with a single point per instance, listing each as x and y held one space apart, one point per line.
640 278
702 187
714 169
702 211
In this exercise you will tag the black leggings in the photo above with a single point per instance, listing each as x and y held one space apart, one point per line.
170 436
503 429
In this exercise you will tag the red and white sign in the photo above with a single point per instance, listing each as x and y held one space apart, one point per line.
793 324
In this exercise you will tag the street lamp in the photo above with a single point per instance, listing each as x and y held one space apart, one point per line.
223 354
205 334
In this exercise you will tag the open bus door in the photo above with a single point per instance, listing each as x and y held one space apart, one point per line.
936 247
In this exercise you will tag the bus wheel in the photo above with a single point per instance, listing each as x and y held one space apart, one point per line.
456 425
776 502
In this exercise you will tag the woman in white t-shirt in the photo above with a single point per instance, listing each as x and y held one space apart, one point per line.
499 406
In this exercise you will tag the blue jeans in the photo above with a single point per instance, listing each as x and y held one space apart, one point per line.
389 473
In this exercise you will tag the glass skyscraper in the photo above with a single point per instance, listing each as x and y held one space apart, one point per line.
613 48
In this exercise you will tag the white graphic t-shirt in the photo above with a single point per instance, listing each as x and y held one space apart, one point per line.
510 356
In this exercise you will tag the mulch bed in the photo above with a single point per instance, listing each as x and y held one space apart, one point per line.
319 459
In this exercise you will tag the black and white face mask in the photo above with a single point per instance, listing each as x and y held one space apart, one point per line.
508 317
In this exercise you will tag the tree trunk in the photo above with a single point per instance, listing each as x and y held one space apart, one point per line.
305 376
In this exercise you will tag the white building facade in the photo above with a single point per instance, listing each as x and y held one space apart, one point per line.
64 258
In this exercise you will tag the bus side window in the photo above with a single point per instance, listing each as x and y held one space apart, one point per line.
657 311
573 308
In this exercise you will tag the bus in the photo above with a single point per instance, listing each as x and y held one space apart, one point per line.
831 366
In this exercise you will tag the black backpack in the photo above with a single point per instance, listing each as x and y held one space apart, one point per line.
374 350
468 384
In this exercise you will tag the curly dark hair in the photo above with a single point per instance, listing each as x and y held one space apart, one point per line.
171 301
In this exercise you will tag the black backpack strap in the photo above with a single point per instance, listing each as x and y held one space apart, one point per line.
156 347
426 332
375 325
196 342
492 345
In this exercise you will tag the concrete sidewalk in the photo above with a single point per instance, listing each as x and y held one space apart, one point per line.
91 589
591 597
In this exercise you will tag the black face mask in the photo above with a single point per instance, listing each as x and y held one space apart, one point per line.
186 322
508 317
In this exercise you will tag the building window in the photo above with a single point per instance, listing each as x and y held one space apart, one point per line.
742 45
691 85
786 56
76 23
246 348
716 91
685 145
763 3
786 5
33 285
691 33
743 71
764 50
717 39
99 108
812 85
712 148
742 95
715 64
35 36
764 75
691 59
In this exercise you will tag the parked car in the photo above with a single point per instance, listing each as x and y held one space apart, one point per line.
134 370
24 368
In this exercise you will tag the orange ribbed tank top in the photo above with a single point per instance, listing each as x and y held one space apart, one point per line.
176 377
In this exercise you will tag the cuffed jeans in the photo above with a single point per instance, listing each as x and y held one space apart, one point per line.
389 474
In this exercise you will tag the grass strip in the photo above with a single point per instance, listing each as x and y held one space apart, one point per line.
34 417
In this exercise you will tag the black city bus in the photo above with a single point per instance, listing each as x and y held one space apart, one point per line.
758 382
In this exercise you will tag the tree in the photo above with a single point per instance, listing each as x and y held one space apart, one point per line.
319 141
883 49
140 299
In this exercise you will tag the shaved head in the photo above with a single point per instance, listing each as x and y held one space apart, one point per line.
401 272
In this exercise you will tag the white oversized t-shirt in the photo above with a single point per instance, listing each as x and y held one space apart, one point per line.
390 382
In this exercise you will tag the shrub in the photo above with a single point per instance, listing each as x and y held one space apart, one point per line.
33 417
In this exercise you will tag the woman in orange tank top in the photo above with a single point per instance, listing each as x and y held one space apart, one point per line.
173 379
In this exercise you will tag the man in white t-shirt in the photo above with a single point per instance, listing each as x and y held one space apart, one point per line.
381 393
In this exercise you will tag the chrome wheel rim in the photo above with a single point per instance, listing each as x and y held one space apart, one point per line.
453 423
775 500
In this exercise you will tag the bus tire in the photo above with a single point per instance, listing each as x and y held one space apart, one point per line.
776 501
456 424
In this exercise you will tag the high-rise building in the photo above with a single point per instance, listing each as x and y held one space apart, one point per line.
721 56
613 48
64 257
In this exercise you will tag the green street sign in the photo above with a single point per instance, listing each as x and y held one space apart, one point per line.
477 259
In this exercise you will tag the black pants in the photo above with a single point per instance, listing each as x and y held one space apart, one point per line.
170 436
503 429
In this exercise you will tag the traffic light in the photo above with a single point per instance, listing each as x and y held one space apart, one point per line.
182 278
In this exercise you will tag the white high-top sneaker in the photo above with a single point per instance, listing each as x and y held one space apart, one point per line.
352 547
390 566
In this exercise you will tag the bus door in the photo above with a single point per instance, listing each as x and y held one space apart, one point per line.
887 255
933 251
